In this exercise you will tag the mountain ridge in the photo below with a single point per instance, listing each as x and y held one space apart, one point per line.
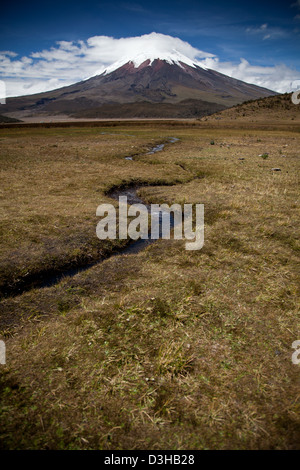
153 81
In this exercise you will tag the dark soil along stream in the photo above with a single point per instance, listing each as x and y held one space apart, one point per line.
50 277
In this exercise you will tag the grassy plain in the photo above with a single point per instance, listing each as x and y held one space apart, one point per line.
165 349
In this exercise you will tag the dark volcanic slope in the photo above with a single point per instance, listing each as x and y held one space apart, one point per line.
145 109
5 119
183 90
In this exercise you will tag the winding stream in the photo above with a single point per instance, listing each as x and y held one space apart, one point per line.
50 278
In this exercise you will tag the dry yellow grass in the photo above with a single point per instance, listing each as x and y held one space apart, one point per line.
52 181
166 349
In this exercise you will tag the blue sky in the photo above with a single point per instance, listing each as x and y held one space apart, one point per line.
264 34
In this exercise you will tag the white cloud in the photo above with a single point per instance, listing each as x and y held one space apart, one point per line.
69 62
267 32
279 77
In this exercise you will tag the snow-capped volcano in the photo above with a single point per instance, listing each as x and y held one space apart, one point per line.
153 79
